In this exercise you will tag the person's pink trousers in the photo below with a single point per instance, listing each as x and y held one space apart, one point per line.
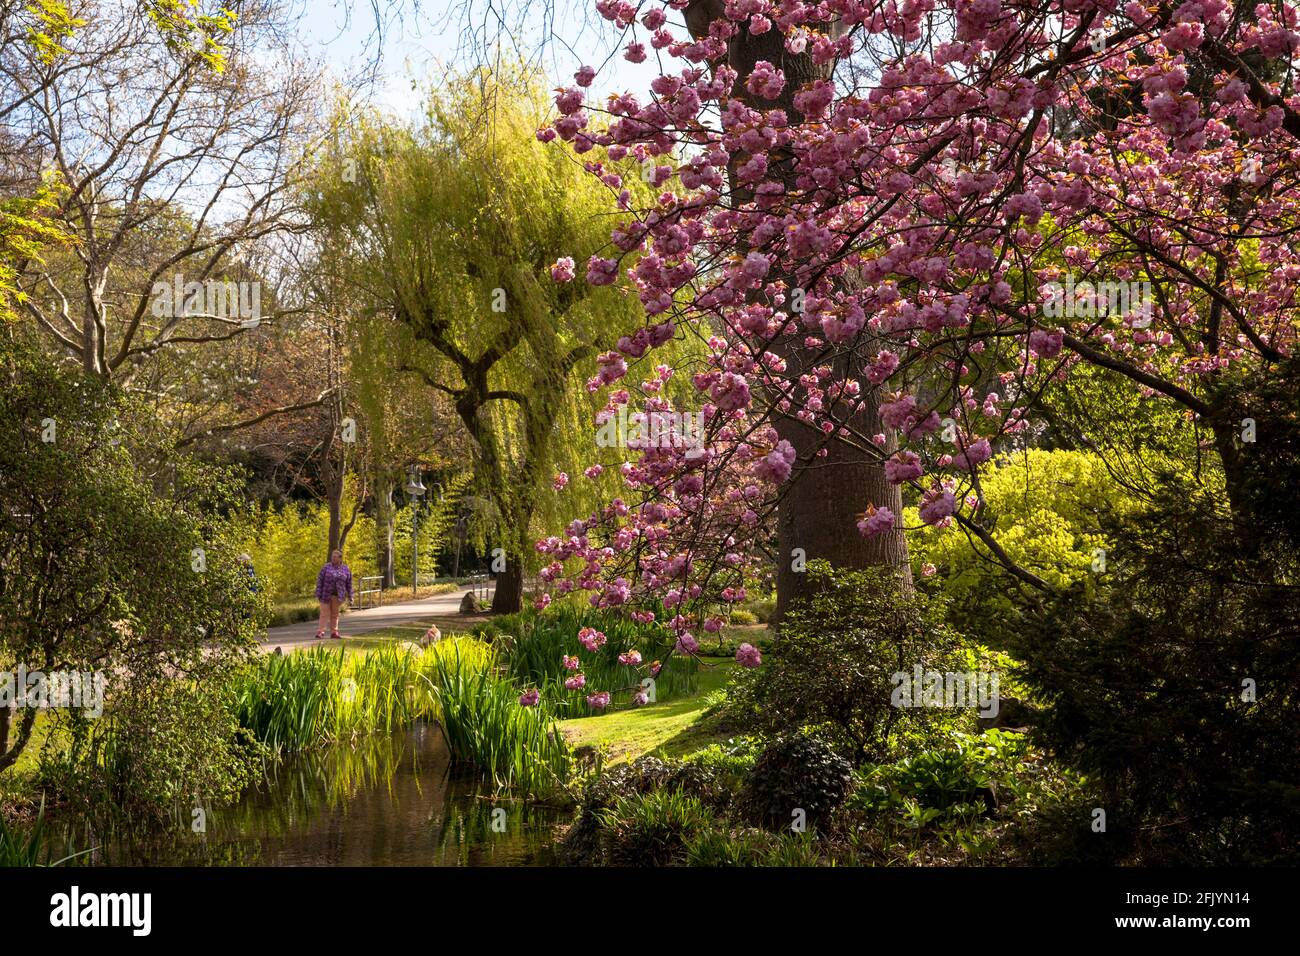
329 613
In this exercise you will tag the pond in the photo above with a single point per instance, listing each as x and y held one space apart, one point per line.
383 801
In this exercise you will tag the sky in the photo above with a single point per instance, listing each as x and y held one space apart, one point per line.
420 44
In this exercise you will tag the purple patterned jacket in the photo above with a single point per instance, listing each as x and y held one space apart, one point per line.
334 582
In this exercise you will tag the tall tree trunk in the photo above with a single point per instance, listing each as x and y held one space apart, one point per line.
819 508
508 598
384 529
332 475
818 516
9 757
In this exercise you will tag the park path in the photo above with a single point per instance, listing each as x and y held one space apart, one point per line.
355 623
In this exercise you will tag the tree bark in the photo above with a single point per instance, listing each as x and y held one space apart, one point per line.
332 477
384 529
819 511
10 757
508 598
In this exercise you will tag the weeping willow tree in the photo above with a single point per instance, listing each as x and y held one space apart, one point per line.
448 228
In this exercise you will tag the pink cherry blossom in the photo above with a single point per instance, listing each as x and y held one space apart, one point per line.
563 270
591 639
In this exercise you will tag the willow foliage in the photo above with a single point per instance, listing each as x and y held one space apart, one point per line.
447 228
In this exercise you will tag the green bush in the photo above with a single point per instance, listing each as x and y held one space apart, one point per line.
795 772
761 608
162 750
833 664
1174 686
971 770
651 829
107 567
748 847
730 762
288 545
582 843
1046 509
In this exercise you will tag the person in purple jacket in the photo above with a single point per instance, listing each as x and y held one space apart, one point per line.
333 587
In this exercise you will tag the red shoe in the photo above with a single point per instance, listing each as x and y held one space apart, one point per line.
335 635
320 635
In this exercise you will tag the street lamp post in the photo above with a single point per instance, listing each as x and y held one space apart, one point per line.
415 488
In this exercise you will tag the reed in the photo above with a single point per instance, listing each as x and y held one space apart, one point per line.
298 701
28 850
516 747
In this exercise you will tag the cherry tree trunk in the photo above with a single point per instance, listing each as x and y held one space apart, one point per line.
818 513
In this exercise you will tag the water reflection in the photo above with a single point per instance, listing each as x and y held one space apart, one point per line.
381 801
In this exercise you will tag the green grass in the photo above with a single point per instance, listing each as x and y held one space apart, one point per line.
293 610
671 728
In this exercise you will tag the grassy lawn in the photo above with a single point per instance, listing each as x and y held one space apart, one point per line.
669 728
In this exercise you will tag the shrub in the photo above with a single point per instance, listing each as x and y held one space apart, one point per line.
1175 687
651 829
762 608
105 567
582 842
748 847
795 772
971 770
1046 509
833 664
730 762
163 749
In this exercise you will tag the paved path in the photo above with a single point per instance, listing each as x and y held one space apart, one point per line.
371 619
